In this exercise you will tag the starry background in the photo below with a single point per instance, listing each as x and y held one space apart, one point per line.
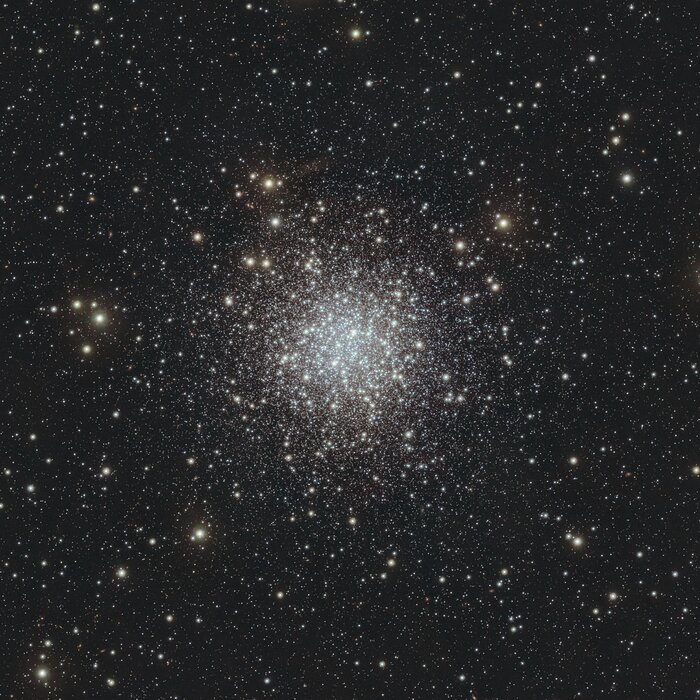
350 349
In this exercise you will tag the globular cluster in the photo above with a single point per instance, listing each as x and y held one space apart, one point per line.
337 336
350 350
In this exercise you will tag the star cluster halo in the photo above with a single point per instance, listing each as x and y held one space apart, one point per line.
340 338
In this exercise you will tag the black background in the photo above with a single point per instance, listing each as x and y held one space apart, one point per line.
181 101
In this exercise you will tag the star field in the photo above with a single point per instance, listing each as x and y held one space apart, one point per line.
350 350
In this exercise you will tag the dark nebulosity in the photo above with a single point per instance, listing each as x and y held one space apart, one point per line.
350 349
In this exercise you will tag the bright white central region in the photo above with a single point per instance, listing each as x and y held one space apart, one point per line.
349 349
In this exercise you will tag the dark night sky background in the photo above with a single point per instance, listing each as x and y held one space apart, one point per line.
350 349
